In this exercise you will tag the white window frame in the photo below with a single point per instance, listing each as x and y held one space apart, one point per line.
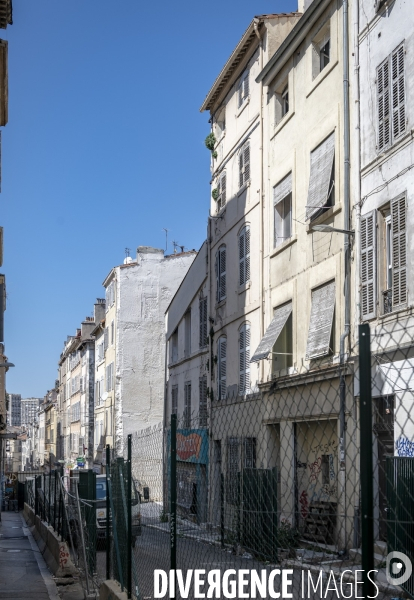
243 89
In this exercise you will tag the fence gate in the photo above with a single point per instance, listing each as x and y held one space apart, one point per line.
400 522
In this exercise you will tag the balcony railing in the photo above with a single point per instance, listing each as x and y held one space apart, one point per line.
387 301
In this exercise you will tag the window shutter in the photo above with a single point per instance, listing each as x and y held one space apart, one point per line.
321 320
241 169
221 273
222 367
322 160
368 266
174 399
187 404
203 415
246 85
398 92
383 105
222 199
399 252
242 257
246 153
203 322
105 338
81 443
244 359
247 257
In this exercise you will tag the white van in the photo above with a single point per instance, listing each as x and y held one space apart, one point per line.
101 510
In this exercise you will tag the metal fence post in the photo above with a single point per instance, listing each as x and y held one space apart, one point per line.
108 512
173 497
222 509
54 503
367 497
50 486
129 513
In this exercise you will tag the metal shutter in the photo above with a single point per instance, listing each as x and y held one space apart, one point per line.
321 319
368 266
281 315
399 251
398 92
383 98
322 160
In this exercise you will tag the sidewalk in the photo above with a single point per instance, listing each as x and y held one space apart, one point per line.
23 572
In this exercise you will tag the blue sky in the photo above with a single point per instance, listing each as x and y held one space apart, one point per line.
104 147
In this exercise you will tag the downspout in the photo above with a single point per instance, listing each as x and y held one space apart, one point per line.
164 429
261 236
347 248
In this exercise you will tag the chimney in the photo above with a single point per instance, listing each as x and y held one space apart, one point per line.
301 5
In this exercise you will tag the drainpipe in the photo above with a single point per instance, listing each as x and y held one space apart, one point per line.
347 248
261 236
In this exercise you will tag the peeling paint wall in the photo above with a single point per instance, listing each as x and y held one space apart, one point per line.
143 292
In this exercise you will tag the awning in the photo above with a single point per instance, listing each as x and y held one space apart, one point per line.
281 315
320 325
282 189
320 175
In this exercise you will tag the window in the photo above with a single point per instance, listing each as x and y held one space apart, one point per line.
110 295
368 266
220 123
281 101
274 330
106 338
244 164
321 194
244 359
203 414
203 322
282 200
174 399
233 451
100 352
112 333
187 333
321 54
243 89
320 334
110 377
187 405
221 367
282 354
244 255
174 346
249 453
221 191
75 412
221 274
391 98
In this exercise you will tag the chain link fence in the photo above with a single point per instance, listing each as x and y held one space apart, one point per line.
314 473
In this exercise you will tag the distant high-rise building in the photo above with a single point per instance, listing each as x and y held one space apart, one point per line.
29 409
14 414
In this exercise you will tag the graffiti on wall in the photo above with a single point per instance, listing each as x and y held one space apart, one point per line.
404 447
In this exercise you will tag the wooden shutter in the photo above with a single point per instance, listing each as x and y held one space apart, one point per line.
321 321
222 367
247 256
399 252
320 179
246 85
203 415
221 273
368 266
244 359
105 338
242 257
383 96
398 92
246 159
221 188
241 168
203 322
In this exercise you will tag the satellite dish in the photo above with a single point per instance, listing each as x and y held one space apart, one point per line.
105 396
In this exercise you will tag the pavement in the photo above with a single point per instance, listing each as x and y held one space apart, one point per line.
23 571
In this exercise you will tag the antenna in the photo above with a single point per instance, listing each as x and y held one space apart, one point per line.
166 237
175 244
182 248
127 252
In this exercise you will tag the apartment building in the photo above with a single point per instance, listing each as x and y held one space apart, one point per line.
187 331
30 410
137 295
384 56
76 394
14 410
102 405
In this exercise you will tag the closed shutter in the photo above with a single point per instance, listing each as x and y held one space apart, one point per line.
244 164
368 266
81 444
203 322
221 188
244 360
398 92
203 415
399 252
105 338
321 320
322 160
174 399
187 404
222 368
221 273
383 96
244 255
